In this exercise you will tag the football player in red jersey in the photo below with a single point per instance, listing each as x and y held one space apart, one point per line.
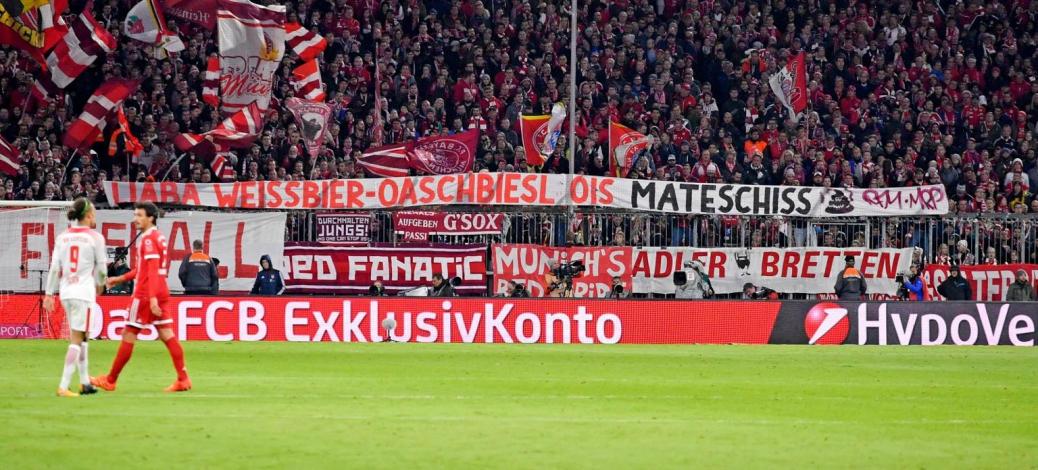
150 300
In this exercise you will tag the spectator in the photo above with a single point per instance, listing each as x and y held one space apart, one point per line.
268 281
198 272
850 284
1021 290
955 287
377 290
440 287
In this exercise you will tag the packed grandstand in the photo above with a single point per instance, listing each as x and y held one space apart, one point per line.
898 95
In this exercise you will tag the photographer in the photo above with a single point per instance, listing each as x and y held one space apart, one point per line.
751 292
697 284
560 279
617 291
377 290
118 267
440 287
912 286
516 289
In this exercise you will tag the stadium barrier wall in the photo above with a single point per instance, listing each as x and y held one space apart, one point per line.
502 320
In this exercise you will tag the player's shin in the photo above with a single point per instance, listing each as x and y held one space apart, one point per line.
71 356
176 352
84 375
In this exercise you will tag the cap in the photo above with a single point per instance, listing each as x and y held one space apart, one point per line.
1017 160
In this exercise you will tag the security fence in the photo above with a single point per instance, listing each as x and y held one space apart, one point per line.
974 239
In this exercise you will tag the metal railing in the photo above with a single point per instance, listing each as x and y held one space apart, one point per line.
967 239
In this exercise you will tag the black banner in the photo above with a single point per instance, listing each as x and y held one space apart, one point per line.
906 323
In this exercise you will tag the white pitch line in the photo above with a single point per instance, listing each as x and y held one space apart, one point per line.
537 419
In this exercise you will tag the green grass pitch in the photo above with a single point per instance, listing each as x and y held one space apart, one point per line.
527 406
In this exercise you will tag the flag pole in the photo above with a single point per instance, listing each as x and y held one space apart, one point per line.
61 180
572 141
573 87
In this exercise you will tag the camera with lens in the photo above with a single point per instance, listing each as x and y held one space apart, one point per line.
902 291
569 270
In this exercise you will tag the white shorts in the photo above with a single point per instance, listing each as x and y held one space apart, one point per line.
77 312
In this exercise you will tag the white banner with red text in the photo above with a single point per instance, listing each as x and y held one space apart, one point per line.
541 190
315 268
651 270
237 240
988 282
565 321
417 226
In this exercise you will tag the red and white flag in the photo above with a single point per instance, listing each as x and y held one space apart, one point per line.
211 83
790 85
10 158
222 168
85 41
252 43
445 155
312 119
624 145
91 123
145 22
533 130
306 80
388 161
238 130
305 43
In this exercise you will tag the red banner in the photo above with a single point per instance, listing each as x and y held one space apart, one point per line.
323 269
454 320
989 282
531 264
418 225
445 155
343 228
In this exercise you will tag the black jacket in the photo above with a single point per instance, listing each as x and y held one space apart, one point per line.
850 284
955 288
268 281
198 275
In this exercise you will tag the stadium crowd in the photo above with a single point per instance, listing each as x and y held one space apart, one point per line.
901 93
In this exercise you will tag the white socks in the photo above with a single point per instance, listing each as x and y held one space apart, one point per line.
84 376
71 358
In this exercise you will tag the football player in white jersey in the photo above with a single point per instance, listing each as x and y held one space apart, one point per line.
79 265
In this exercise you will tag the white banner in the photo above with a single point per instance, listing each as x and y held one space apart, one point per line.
651 270
542 190
237 240
787 270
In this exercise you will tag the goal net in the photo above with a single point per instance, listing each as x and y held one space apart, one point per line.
27 232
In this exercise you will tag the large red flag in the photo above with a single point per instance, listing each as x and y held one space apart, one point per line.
388 160
306 80
10 158
445 155
534 129
106 99
304 42
238 130
624 145
80 47
790 85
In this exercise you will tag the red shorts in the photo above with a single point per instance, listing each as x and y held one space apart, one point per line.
141 315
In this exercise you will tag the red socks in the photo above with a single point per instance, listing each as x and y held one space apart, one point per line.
121 358
177 354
